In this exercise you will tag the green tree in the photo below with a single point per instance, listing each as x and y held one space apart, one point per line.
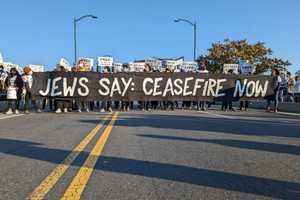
230 52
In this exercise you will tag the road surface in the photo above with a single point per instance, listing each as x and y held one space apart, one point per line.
153 155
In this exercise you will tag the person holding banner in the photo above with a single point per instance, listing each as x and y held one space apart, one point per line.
14 85
244 105
146 105
106 105
82 105
275 97
169 104
27 80
227 102
202 70
61 105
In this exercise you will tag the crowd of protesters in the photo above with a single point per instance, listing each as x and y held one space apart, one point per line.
18 89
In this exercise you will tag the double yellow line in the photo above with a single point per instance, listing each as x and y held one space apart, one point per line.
79 182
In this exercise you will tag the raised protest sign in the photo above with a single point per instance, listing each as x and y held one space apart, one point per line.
136 66
105 63
150 86
154 63
172 64
85 64
246 68
37 68
189 66
64 63
9 65
1 59
117 67
233 67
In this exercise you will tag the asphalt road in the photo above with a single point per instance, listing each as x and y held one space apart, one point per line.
150 155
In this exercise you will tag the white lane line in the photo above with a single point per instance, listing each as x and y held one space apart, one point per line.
11 116
288 113
217 115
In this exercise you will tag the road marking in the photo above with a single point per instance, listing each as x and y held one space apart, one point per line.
288 113
217 115
48 183
11 116
78 184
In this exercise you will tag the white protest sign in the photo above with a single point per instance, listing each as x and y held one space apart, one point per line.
233 67
8 65
117 67
136 66
155 64
37 68
1 59
172 64
189 66
105 61
64 63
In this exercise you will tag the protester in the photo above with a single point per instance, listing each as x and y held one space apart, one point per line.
81 105
3 76
146 105
29 97
14 85
291 87
283 88
106 105
169 104
227 102
297 88
201 104
244 105
277 82
61 105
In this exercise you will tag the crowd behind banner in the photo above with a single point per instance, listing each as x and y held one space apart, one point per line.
16 88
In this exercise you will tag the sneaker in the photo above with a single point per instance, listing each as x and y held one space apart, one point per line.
16 112
102 110
66 110
109 110
38 111
26 111
87 110
58 110
79 110
9 112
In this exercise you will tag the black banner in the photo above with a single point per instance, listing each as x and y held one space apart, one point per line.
151 86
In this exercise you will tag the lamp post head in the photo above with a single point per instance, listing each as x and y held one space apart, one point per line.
177 20
94 17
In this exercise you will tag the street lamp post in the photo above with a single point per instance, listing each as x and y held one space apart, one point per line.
75 28
195 32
